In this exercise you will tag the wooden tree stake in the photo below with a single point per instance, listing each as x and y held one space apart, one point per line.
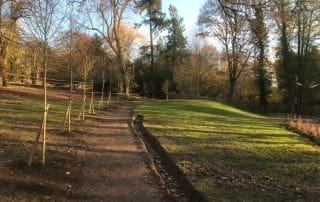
38 135
101 104
68 117
91 108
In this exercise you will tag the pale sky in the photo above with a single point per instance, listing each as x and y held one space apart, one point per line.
188 9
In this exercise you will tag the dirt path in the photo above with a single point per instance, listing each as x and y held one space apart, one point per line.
114 168
102 163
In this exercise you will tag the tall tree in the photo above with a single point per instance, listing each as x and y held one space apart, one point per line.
286 67
176 44
256 15
33 58
301 19
68 44
111 13
203 59
307 22
10 12
224 20
43 22
155 20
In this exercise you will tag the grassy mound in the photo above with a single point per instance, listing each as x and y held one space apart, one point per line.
229 154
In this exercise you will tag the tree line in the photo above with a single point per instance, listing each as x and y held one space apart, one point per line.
268 50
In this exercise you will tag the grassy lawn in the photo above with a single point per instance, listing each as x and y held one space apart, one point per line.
229 154
21 112
20 118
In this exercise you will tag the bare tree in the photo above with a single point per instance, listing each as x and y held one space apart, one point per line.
106 75
10 12
69 109
111 13
224 20
307 22
42 23
72 31
87 62
204 58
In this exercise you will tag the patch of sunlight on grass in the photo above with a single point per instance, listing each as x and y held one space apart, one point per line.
235 152
22 116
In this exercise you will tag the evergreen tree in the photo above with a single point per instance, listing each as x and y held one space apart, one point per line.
259 36
143 74
306 19
286 71
286 65
176 45
154 18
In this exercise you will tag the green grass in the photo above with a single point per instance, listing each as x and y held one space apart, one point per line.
20 120
229 154
21 116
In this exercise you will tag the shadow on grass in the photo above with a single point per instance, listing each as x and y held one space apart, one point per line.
226 149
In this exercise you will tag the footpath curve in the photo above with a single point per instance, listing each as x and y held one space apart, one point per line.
114 166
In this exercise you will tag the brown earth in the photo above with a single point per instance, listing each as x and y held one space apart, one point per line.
115 168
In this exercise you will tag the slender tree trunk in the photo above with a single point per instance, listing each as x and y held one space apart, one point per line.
3 52
232 85
102 91
126 84
110 92
45 104
300 63
70 99
91 109
3 61
152 54
262 87
286 67
124 74
37 138
262 78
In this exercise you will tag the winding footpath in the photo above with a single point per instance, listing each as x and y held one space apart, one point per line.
114 166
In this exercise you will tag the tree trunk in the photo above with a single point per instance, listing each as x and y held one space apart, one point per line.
102 91
152 57
4 81
45 104
232 85
124 74
3 68
126 84
262 78
262 87
70 99
300 56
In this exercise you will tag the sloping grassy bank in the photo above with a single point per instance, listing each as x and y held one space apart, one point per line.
229 154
